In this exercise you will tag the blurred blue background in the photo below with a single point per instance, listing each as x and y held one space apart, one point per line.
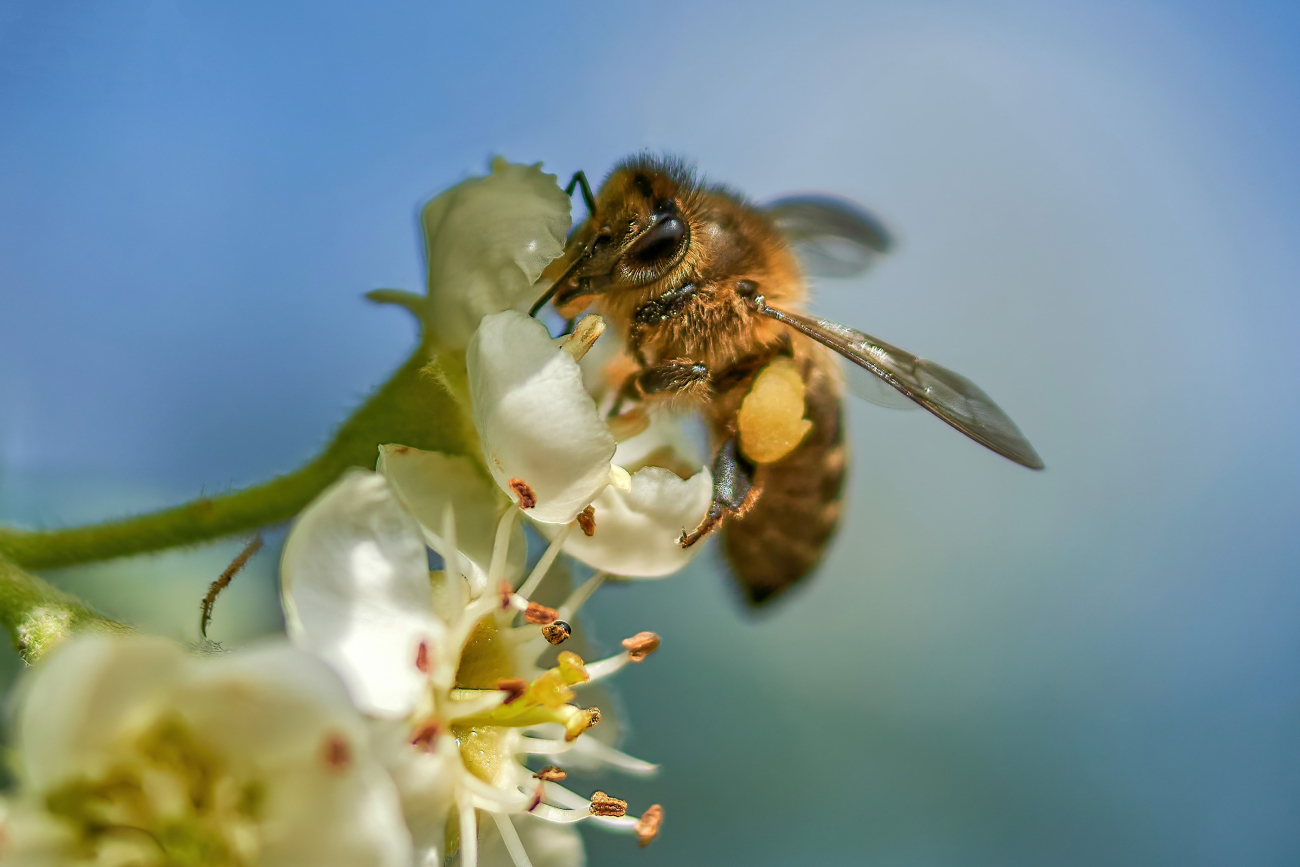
1097 205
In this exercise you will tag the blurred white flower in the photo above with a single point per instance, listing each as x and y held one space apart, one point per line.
132 752
487 240
455 686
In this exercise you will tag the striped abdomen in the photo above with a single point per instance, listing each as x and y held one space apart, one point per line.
782 538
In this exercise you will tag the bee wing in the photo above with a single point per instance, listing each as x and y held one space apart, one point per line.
873 389
946 393
832 237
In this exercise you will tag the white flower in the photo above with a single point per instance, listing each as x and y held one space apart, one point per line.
131 751
455 685
543 439
634 533
487 241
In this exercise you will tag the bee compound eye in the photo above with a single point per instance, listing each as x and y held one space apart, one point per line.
661 241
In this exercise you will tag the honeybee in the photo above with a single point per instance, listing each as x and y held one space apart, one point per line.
707 290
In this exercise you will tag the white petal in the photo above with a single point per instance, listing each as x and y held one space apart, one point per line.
428 482
637 532
74 705
355 581
537 424
487 241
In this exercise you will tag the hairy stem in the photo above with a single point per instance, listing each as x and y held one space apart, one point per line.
412 408
38 617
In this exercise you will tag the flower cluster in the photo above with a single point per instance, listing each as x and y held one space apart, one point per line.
414 714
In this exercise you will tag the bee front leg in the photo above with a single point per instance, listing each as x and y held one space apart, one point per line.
734 492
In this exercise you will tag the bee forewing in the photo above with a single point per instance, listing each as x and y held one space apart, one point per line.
946 393
831 237
873 389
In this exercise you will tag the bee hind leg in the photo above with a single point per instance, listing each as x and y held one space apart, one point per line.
734 492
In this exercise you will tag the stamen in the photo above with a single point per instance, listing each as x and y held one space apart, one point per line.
587 521
538 798
337 751
603 668
513 687
604 805
607 755
557 632
584 336
426 734
641 645
510 837
540 614
581 595
539 571
468 835
527 497
552 774
501 546
560 817
647 827
422 657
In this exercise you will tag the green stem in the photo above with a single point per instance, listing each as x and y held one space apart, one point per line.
38 617
412 408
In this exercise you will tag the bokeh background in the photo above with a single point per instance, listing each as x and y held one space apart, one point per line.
1097 205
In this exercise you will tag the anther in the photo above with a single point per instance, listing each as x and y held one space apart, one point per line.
551 774
540 614
538 797
641 645
422 657
604 805
584 336
527 499
513 687
426 734
647 827
338 752
557 632
587 521
593 716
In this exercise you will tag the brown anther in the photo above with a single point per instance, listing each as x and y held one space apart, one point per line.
513 687
557 632
593 716
426 734
641 645
422 657
587 521
540 614
604 805
538 797
551 774
647 827
337 752
527 499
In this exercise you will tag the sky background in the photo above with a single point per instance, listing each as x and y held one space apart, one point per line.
1097 206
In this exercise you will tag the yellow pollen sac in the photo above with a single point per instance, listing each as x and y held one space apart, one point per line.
550 690
572 669
770 420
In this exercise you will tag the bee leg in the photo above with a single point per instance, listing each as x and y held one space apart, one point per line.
734 492
680 374
579 179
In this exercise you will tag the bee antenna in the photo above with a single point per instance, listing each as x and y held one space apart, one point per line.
579 179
